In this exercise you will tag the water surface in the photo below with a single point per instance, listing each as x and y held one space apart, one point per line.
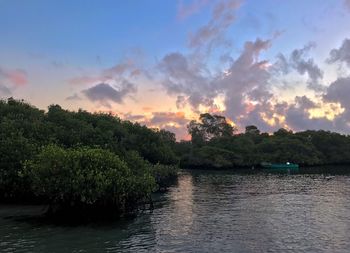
207 212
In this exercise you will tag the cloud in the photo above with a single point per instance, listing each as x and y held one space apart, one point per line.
339 91
297 61
299 119
294 115
180 102
134 117
124 70
180 132
282 64
304 102
347 4
262 115
248 84
164 118
222 18
182 76
105 93
11 79
85 80
118 69
246 80
147 109
306 66
186 10
342 54
175 122
247 76
4 90
16 77
74 97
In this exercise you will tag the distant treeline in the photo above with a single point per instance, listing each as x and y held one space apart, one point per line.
81 161
215 145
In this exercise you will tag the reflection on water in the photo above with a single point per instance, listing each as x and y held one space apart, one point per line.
208 212
179 221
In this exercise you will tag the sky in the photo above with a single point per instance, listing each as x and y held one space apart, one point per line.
270 63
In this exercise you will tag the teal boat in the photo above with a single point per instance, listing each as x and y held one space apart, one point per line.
280 167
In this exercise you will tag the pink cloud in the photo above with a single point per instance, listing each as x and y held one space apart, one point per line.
16 77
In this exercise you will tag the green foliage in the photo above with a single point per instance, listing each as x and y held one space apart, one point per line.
14 149
87 177
21 131
24 130
254 147
164 175
282 148
153 145
209 157
252 130
208 127
131 157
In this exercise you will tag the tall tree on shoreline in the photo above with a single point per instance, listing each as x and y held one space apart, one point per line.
209 127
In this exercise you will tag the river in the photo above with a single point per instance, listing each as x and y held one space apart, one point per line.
206 211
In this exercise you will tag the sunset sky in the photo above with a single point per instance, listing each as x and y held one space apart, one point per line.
271 63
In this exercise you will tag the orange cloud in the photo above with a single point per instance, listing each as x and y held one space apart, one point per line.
147 109
180 114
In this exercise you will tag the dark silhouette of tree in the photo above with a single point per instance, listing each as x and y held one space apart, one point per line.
208 127
252 130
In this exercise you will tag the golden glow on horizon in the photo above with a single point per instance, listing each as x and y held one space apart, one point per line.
269 121
219 102
328 111
229 121
176 119
276 119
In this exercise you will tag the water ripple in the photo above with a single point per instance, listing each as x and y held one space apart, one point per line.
209 212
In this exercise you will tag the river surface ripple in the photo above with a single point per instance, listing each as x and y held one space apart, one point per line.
206 211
